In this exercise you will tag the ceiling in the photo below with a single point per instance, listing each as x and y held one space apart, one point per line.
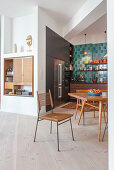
15 8
60 10
95 32
97 27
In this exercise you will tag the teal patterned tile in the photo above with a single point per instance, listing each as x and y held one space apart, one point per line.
95 51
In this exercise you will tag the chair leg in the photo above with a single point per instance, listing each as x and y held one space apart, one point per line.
57 136
104 116
107 115
94 111
71 129
106 109
51 127
36 129
106 126
94 114
83 103
76 109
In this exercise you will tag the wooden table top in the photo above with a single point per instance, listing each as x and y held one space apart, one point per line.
87 97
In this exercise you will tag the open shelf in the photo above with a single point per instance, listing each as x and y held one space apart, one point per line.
91 70
87 83
96 63
18 81
21 54
8 75
18 95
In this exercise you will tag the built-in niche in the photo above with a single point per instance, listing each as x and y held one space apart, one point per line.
18 76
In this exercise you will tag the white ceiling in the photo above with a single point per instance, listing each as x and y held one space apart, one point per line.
95 32
15 8
97 27
60 10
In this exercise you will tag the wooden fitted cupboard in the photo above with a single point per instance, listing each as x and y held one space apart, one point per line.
23 71
18 76
17 71
27 70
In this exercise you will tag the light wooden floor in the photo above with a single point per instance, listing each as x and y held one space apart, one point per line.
19 152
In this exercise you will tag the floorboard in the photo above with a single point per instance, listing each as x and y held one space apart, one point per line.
19 152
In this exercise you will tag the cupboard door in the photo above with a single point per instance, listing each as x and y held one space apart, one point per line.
27 70
17 71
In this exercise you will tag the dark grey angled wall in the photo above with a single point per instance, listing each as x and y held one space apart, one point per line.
56 48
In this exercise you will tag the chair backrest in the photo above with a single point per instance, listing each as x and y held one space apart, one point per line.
86 91
44 99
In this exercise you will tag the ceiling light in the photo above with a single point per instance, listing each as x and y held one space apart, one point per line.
105 36
85 52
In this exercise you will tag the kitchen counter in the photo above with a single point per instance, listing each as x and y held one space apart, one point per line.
85 86
85 83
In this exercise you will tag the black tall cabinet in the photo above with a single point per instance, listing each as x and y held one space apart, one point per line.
56 48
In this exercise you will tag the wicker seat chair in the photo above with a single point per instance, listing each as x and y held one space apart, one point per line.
45 99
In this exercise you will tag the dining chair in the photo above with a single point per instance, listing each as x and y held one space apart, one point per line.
45 99
88 106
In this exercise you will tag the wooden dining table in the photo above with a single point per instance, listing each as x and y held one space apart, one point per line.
85 97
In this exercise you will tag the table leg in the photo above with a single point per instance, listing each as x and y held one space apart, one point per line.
100 114
83 118
94 110
76 108
83 103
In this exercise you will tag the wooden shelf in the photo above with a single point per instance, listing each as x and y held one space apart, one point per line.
95 63
86 83
18 95
23 54
91 70
23 74
23 84
8 75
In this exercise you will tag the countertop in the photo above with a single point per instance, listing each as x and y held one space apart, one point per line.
72 82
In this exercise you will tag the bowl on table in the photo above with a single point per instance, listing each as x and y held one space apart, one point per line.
94 94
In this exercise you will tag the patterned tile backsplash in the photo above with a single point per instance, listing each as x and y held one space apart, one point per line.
95 52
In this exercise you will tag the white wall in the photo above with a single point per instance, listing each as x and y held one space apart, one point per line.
0 51
22 27
43 21
16 31
16 104
36 26
7 35
110 27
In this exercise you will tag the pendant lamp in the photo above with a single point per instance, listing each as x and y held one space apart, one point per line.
85 52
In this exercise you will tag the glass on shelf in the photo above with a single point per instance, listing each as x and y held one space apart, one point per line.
8 79
10 71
